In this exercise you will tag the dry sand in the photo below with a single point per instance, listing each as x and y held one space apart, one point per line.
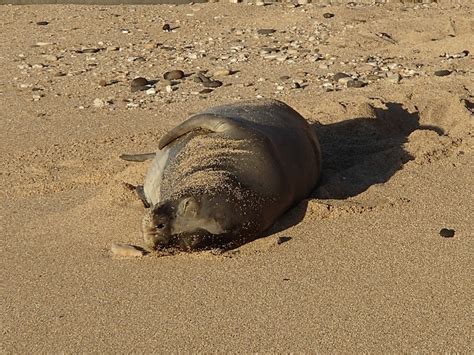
365 268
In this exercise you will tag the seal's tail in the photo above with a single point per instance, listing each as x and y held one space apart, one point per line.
138 157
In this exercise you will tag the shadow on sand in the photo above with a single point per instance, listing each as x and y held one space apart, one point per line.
358 153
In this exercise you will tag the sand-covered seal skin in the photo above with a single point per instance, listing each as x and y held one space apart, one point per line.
228 173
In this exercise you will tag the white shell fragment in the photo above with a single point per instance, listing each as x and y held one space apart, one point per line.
126 250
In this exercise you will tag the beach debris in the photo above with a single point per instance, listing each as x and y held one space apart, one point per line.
127 250
462 54
386 37
447 233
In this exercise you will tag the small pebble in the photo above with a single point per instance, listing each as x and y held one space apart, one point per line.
203 78
340 75
166 27
282 240
206 91
151 45
138 84
98 103
102 83
394 78
88 50
221 72
151 91
42 23
50 57
174 75
355 84
443 72
212 84
328 15
344 81
126 250
447 233
266 31
373 77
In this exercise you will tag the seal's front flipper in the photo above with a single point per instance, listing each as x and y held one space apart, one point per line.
138 157
141 194
206 121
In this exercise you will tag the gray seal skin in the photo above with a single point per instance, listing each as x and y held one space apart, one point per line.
228 174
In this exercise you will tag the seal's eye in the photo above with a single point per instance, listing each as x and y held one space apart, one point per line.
160 226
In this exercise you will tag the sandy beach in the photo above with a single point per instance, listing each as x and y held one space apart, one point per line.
388 90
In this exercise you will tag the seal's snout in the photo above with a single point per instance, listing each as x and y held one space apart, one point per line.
156 227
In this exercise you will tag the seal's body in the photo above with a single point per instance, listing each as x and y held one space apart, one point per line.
229 173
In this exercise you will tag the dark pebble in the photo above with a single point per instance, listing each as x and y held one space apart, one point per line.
282 240
174 75
266 31
446 233
443 72
206 91
139 84
340 75
203 78
42 23
102 82
270 49
328 15
212 84
355 84
166 27
88 50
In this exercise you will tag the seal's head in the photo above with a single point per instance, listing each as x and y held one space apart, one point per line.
186 223
156 225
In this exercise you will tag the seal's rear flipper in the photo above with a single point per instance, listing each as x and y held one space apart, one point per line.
138 157
208 122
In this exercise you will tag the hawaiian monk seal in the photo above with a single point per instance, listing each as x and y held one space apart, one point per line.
227 173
